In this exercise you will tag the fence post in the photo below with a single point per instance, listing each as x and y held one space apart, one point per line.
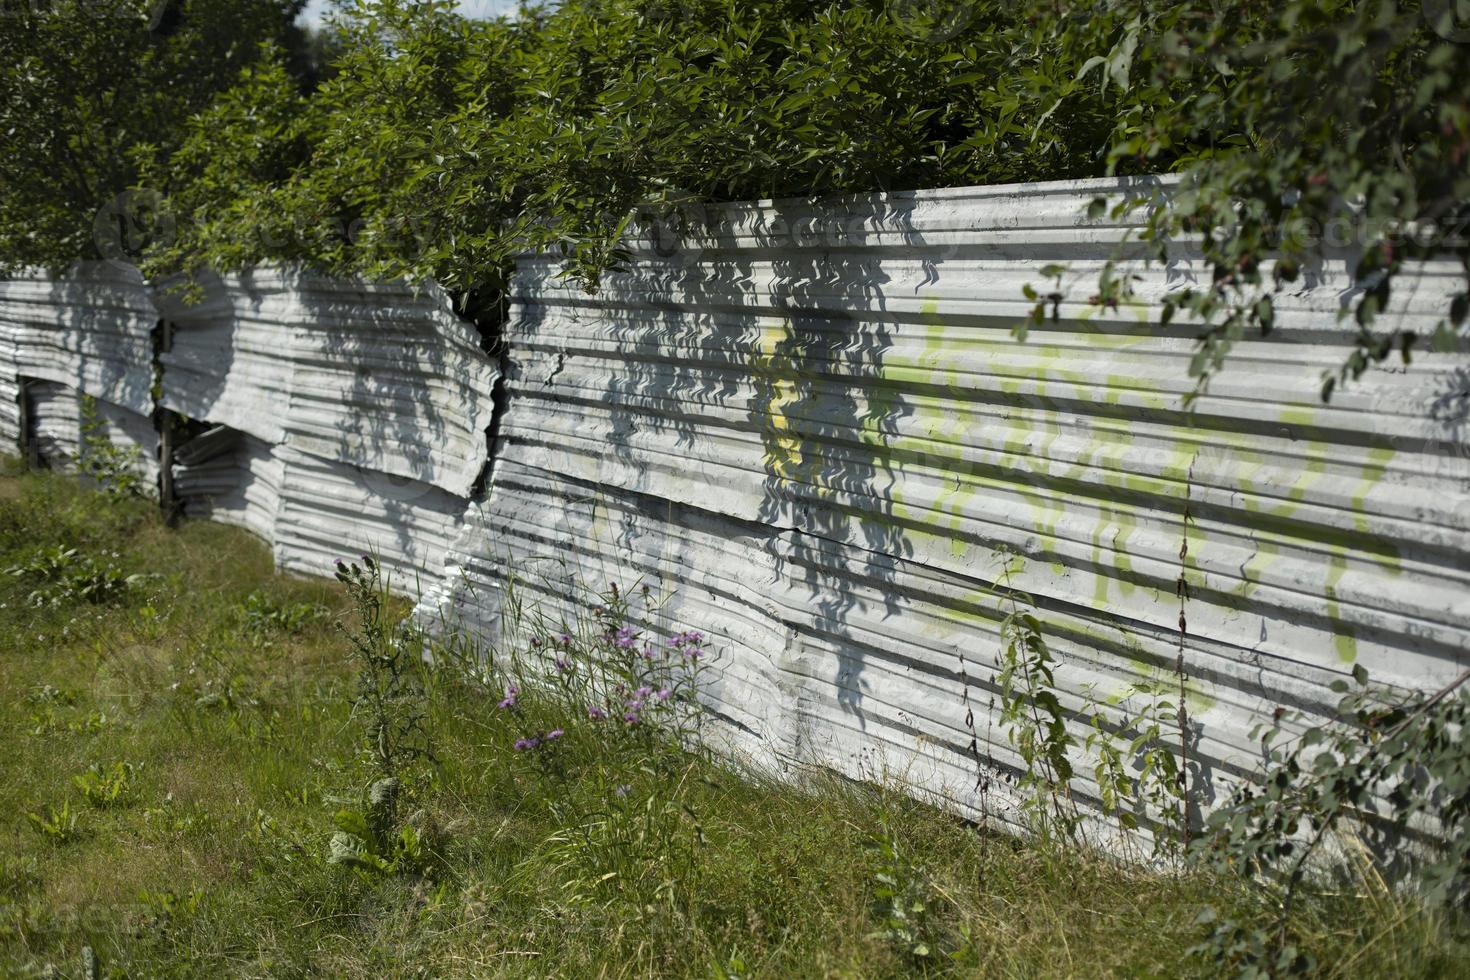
29 451
167 435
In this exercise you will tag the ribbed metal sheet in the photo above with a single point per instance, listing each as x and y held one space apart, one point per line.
63 438
379 376
55 423
91 330
228 476
331 510
229 357
813 427
314 511
361 410
9 386
88 332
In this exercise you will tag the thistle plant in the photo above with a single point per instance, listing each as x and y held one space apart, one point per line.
621 697
391 704
608 671
390 700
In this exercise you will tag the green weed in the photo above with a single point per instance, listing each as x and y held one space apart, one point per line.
63 575
57 824
105 786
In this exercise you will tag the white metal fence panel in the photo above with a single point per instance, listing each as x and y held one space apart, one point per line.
810 431
362 410
10 417
73 429
381 376
815 425
331 510
91 330
229 476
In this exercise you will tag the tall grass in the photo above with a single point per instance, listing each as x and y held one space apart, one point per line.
203 725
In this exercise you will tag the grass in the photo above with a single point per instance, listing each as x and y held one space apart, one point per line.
196 723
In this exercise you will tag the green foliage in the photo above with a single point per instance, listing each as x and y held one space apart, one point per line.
1388 777
374 842
639 839
1033 719
167 908
442 146
1130 745
391 706
63 576
376 173
116 470
1300 129
105 786
49 694
635 105
1238 946
904 897
625 818
85 85
46 722
603 666
264 615
1136 770
222 178
1035 724
1385 784
1388 768
57 825
408 140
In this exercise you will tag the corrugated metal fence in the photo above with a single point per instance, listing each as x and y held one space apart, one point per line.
810 431
814 428
87 334
331 418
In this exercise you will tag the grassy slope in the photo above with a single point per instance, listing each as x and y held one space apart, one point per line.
212 861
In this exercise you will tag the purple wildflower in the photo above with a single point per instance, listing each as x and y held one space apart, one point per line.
596 713
526 744
624 638
643 692
563 665
631 717
509 701
664 695
553 735
566 639
687 643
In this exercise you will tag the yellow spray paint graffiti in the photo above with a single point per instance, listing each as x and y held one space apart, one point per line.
783 446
